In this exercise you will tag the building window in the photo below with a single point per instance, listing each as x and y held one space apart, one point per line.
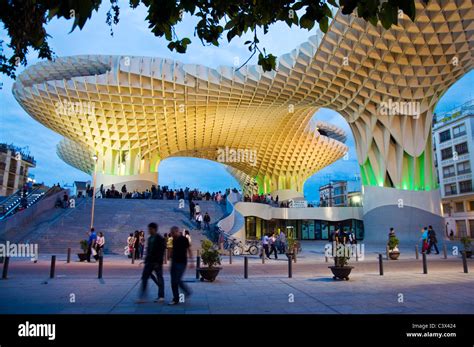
461 148
450 189
446 208
465 186
444 136
461 228
471 227
459 207
448 171
447 153
471 205
459 130
464 168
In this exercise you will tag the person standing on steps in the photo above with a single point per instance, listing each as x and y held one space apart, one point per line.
155 253
207 221
91 244
179 260
191 209
99 246
124 191
198 220
197 208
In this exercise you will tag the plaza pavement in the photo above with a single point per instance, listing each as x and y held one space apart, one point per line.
311 290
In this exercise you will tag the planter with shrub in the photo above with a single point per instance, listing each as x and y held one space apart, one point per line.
84 245
341 270
393 251
209 257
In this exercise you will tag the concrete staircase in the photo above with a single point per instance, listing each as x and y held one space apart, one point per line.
59 229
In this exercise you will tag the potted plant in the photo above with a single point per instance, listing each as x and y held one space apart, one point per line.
210 257
393 251
341 270
84 245
467 246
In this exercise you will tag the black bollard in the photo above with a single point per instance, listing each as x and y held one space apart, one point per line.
416 252
101 266
290 269
133 256
464 262
6 262
380 264
53 266
246 267
425 265
68 255
198 265
445 252
230 256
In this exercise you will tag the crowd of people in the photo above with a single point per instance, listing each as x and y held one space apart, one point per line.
343 237
273 243
262 198
159 193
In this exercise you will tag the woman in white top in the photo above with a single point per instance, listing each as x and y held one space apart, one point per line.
99 245
187 235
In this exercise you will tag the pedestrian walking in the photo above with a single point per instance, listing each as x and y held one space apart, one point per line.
432 240
272 244
265 249
153 268
179 260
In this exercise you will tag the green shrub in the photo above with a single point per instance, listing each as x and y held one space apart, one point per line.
84 245
393 242
209 254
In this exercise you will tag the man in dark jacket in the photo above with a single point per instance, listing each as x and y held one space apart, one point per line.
192 207
154 263
432 240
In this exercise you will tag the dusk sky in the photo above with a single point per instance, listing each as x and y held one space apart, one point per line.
132 37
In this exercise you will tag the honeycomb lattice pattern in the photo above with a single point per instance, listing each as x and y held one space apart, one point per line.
148 109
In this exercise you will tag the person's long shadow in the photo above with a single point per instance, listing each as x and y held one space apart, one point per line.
321 279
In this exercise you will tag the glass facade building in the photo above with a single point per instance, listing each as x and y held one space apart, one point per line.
304 229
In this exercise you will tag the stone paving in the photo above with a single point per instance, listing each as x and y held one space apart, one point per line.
403 288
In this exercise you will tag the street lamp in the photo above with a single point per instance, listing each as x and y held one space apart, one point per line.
94 157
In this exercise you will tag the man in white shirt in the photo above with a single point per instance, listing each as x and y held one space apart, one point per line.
265 249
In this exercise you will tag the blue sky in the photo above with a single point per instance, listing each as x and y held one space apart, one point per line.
132 37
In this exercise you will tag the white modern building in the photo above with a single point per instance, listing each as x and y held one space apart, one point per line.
453 135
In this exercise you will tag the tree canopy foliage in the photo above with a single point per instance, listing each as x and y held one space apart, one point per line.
25 21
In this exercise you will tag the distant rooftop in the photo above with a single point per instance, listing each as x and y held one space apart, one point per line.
463 110
23 151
